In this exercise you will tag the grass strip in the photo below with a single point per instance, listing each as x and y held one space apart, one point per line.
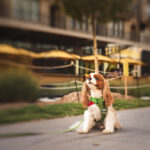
35 112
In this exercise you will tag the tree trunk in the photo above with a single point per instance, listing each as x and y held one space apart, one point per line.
95 45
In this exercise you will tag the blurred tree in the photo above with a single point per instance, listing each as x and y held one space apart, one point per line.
97 11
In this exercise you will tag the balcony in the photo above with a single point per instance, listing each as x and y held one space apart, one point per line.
64 26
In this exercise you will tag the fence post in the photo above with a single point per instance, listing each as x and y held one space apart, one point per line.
76 87
77 67
138 89
126 86
126 74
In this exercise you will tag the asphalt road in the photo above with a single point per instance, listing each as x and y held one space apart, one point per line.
135 134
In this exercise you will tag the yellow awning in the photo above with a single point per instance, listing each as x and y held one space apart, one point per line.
7 49
75 56
27 52
101 58
55 54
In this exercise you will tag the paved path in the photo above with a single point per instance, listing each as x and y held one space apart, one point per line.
135 134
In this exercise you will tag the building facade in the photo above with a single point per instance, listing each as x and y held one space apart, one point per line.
41 25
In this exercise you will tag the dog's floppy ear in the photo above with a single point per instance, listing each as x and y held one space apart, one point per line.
85 95
108 98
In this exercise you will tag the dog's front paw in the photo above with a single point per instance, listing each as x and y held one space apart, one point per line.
82 131
105 131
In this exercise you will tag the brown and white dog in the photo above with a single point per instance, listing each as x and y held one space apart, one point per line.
96 86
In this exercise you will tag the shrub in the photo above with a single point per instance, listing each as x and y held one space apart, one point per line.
18 85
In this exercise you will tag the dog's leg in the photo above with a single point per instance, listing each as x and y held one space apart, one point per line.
87 124
110 120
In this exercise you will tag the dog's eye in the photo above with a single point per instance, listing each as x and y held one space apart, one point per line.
96 78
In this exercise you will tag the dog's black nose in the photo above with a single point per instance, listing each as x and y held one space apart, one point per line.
89 78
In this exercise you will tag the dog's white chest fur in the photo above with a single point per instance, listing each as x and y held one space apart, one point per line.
96 93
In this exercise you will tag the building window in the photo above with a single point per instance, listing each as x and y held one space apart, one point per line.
116 29
55 16
79 25
148 11
35 10
86 26
121 29
27 10
73 23
85 19
111 29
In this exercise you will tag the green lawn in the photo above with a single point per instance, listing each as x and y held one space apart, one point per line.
34 112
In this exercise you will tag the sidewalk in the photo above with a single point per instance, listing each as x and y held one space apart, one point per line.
134 135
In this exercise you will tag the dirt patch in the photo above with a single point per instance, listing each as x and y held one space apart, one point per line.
73 97
120 96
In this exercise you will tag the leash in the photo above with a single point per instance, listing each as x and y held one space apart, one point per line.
98 101
11 135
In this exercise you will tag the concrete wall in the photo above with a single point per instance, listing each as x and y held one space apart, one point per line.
6 8
130 34
44 12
